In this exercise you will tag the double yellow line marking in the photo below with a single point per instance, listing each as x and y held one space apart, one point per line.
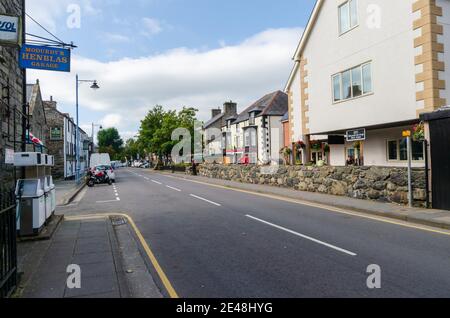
167 284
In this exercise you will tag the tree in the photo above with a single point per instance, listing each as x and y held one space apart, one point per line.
109 141
155 133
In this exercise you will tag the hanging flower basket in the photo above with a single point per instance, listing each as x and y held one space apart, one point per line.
357 145
316 146
419 132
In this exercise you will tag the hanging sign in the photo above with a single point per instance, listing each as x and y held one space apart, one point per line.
356 135
45 58
9 29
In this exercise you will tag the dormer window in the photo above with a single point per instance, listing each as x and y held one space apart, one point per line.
348 16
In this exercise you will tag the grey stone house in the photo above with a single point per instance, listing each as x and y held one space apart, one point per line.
61 142
212 131
36 116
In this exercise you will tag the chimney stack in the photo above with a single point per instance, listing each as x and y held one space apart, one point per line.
230 108
215 112
50 104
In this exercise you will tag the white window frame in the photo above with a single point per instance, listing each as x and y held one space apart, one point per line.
398 160
363 94
342 32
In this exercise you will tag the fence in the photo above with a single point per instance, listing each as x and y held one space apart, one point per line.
8 252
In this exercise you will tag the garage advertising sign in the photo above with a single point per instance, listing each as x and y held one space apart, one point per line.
45 58
10 30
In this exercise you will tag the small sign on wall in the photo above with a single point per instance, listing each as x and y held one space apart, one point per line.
10 29
9 156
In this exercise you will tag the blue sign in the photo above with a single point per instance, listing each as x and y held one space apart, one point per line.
45 58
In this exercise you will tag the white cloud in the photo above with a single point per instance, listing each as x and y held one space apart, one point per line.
115 38
112 120
176 78
151 26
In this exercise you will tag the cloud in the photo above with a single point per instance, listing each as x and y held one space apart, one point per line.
111 120
181 77
151 26
115 38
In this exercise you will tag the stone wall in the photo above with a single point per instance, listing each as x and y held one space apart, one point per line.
370 183
11 82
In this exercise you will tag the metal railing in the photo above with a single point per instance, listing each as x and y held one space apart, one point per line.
8 244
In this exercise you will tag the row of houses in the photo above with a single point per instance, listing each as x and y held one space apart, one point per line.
53 132
361 66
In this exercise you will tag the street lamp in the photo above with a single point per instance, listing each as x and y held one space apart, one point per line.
94 86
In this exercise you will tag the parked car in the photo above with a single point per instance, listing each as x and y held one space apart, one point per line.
108 169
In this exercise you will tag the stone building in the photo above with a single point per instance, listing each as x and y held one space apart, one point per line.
36 116
213 131
11 103
61 142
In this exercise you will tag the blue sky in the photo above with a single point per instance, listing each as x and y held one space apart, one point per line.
143 51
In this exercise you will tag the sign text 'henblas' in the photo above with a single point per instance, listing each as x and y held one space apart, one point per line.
45 58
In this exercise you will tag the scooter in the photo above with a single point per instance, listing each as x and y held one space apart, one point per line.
100 177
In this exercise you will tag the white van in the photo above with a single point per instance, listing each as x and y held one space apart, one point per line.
98 159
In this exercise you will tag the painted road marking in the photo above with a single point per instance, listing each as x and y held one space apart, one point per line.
107 201
323 207
206 200
173 188
167 284
304 236
157 182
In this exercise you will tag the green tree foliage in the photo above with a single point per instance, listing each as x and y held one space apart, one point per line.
109 141
155 134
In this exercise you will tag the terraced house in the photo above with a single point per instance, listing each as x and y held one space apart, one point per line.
373 65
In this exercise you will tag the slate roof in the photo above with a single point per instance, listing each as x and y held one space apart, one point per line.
214 120
273 104
285 117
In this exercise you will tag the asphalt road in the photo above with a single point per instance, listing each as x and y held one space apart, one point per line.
216 242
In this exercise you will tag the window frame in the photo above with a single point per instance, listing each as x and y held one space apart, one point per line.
348 2
398 160
340 74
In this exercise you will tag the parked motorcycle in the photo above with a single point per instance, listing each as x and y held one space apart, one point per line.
97 177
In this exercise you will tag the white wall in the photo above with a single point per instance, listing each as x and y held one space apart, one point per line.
296 119
390 48
276 137
445 39
375 149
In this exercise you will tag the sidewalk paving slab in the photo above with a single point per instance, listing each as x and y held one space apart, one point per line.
112 265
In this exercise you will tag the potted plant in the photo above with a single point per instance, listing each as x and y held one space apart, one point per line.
357 145
326 149
316 145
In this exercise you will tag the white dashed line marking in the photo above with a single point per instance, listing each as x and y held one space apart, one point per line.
206 200
304 236
178 190
157 182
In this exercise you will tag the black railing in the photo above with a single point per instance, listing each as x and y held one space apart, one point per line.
8 245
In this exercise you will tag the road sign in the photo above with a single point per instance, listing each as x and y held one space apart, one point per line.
356 135
406 133
45 58
9 29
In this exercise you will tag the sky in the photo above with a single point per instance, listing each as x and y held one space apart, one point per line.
175 53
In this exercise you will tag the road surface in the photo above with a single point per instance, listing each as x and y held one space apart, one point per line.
216 242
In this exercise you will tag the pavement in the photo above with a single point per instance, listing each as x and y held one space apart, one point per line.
209 240
105 251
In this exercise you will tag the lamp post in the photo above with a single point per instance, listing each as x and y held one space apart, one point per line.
94 86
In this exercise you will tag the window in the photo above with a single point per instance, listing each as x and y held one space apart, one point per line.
337 87
348 16
352 83
398 150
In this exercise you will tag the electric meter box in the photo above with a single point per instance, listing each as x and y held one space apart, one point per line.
28 159
31 207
